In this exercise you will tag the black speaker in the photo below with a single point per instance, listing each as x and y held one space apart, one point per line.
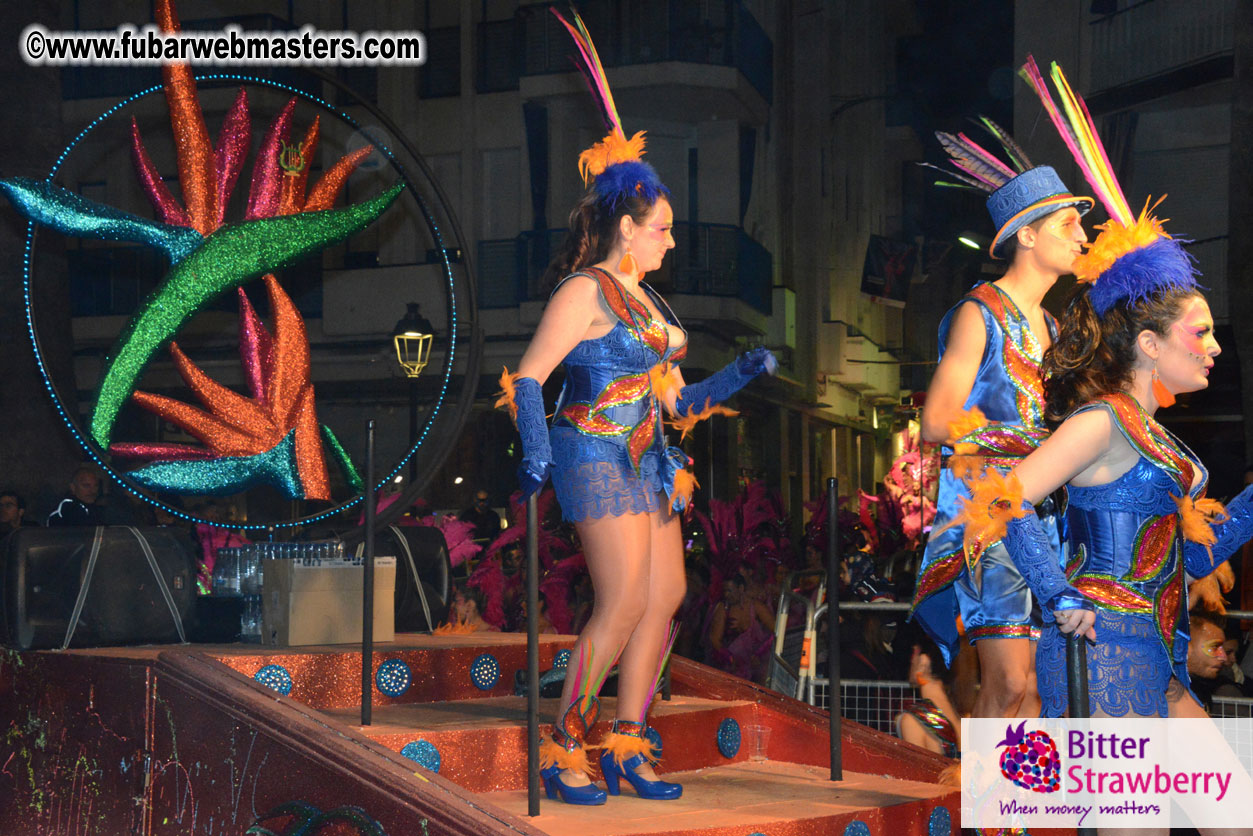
45 568
430 558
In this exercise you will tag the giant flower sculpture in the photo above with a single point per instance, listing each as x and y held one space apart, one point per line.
284 222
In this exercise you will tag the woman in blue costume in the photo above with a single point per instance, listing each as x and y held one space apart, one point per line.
614 475
1135 335
991 344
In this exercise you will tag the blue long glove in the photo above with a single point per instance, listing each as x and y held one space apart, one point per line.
537 452
725 382
1034 555
1232 534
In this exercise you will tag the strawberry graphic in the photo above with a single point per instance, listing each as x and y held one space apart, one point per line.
1030 760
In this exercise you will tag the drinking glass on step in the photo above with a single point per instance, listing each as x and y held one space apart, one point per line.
758 740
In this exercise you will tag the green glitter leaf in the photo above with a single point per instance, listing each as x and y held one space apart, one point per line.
228 258
345 462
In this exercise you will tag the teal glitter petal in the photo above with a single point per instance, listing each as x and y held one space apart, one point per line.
228 475
227 259
72 214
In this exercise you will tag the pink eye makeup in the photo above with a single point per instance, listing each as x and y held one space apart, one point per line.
1193 337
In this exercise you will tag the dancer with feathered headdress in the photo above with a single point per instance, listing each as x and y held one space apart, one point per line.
986 403
1136 333
615 477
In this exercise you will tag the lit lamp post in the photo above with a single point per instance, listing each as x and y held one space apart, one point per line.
412 337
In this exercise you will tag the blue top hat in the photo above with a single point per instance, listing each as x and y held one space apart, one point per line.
1028 197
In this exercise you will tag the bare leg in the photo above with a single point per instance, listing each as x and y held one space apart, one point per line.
1182 705
667 583
1008 679
617 552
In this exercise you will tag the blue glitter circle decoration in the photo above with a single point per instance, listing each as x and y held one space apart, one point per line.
940 823
561 659
393 678
654 737
857 828
423 753
276 677
728 738
485 672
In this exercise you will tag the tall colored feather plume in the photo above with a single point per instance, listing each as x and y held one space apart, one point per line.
1076 130
594 72
966 182
973 160
1011 148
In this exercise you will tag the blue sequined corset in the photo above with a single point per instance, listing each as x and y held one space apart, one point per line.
1105 523
609 454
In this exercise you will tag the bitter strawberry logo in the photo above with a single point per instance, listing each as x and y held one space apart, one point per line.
1030 760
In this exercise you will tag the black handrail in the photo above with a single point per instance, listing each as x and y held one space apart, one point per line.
833 626
532 656
367 592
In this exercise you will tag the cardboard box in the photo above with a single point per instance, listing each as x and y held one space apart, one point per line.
318 601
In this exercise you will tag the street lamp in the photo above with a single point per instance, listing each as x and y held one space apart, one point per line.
412 338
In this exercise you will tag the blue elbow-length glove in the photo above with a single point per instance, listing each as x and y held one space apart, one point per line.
537 452
725 382
1037 559
1232 533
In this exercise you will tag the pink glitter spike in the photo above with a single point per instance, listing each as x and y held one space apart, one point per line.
256 350
232 148
159 452
267 176
162 199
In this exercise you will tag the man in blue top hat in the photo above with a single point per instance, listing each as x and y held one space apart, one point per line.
991 345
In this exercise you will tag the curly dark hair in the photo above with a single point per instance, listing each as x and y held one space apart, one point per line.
1094 356
593 230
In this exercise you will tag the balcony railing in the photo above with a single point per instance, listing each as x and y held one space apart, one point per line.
708 260
1155 36
648 31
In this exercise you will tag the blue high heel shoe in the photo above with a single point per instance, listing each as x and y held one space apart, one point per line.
644 788
590 795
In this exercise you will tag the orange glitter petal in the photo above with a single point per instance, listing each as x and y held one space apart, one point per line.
291 355
191 136
310 458
322 195
215 434
643 435
579 415
226 404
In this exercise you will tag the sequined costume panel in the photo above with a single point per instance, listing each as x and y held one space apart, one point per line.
609 453
1125 549
993 600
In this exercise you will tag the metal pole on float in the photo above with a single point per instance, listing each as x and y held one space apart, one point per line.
367 592
532 656
1077 691
833 625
